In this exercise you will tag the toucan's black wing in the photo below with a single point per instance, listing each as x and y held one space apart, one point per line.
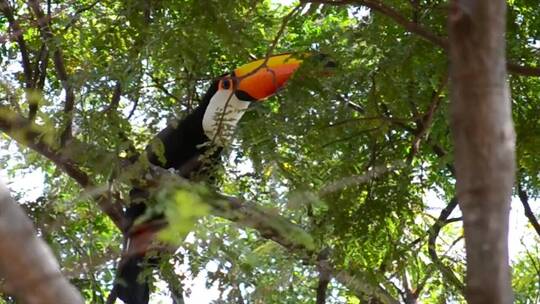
182 142
184 147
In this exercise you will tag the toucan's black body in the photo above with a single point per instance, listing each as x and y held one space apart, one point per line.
183 145
188 148
185 142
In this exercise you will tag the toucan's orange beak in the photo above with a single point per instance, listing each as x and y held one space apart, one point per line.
258 80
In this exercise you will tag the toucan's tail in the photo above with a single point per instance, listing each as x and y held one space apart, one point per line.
130 286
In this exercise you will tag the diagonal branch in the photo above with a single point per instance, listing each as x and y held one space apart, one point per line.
447 273
274 227
16 32
524 198
424 123
76 16
420 30
58 59
388 11
28 265
36 138
163 89
295 239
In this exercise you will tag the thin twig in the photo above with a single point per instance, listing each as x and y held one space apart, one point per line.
368 118
78 12
354 135
238 79
433 234
524 198
135 104
162 88
360 179
274 43
534 260
423 125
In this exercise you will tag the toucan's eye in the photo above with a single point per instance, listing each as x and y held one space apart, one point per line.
226 83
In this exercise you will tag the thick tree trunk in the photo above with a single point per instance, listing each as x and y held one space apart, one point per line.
484 143
27 265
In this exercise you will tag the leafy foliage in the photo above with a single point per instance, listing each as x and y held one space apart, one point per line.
360 159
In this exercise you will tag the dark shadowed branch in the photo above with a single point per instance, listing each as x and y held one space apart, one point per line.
324 275
17 33
432 249
115 99
31 135
40 74
60 68
524 198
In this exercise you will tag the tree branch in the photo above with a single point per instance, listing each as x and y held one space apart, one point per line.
484 143
447 273
324 275
524 198
274 227
58 59
40 69
40 74
424 124
16 32
32 273
115 99
35 137
163 89
295 239
419 30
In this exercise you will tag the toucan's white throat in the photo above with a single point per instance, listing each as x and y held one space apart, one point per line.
222 115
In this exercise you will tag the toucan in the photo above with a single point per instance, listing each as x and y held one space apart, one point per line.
193 141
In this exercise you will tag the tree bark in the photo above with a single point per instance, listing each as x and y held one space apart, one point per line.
27 264
484 143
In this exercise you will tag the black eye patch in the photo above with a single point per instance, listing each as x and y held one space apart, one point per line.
243 95
226 84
